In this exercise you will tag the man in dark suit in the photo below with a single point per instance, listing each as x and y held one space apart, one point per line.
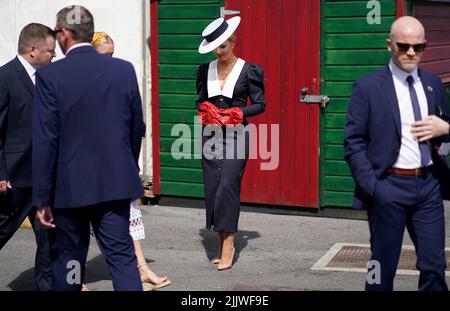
392 169
36 48
87 132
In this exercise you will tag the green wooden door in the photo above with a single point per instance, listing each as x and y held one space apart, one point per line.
180 23
351 47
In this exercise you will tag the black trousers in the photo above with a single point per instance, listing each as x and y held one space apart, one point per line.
70 242
414 203
15 206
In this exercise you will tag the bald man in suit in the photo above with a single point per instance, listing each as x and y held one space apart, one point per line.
395 173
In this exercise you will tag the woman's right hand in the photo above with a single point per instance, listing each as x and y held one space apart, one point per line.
209 114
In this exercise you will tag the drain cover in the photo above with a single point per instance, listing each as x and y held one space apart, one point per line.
354 257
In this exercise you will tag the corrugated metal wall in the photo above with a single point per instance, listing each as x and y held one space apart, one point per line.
180 23
436 20
351 47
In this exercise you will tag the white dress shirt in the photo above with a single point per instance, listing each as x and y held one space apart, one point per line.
30 69
77 45
409 156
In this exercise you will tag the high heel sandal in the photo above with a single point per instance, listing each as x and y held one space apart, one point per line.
149 285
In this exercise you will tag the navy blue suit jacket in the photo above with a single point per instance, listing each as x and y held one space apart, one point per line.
87 131
372 133
16 98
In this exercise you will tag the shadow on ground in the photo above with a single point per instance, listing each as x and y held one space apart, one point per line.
210 241
24 282
96 270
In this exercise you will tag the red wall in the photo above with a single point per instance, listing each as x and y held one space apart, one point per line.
436 19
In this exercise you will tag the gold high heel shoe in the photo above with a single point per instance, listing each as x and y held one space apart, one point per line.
225 267
149 285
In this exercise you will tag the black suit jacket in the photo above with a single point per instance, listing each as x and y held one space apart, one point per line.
16 98
87 131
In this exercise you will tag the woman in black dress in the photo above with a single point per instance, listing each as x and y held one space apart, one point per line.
223 87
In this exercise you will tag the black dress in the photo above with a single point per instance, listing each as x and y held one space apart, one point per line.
222 176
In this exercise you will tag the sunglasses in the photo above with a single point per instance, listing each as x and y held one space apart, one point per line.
404 47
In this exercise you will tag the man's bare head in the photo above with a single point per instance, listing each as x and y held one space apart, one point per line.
406 42
407 26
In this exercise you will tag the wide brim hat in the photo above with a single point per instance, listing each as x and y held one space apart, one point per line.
217 32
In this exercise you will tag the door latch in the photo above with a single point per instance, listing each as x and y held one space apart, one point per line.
313 99
224 12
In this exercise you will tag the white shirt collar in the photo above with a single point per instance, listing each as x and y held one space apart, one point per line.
228 88
77 46
401 75
28 67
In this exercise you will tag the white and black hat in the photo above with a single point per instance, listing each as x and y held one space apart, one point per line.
217 32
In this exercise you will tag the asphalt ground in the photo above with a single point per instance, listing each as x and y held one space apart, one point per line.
274 252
